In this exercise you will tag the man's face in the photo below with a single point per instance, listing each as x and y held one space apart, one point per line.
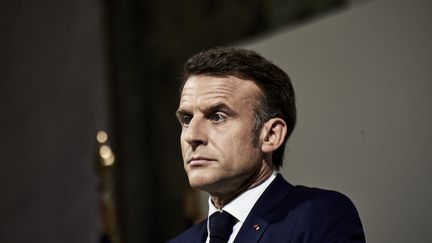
216 115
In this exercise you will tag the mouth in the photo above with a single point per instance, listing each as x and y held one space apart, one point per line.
199 161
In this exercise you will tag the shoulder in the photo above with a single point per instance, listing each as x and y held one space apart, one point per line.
192 234
321 201
282 194
322 214
316 197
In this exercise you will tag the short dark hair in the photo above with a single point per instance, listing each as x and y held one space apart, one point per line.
277 99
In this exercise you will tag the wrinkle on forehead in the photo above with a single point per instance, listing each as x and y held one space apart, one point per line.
203 87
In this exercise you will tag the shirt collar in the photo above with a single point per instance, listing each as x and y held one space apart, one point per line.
242 205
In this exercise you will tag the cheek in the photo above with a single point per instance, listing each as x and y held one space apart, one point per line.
240 146
183 145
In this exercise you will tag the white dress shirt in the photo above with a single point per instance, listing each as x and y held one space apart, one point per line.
240 206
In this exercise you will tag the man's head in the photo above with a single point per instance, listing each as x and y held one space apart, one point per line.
277 97
236 110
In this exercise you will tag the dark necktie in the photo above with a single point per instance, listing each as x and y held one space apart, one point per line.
221 225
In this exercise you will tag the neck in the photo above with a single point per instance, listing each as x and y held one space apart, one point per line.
220 200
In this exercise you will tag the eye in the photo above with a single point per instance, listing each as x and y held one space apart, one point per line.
185 120
217 117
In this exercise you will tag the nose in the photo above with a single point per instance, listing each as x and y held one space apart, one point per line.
195 133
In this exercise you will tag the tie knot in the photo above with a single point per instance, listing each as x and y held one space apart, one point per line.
221 225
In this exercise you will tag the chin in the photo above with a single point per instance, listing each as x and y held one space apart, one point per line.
203 183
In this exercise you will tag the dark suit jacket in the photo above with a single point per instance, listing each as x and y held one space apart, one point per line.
286 213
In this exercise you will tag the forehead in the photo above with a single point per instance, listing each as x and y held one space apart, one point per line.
201 88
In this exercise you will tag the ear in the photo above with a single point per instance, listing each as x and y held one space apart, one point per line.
273 134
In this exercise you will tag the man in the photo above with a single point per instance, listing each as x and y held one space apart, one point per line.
237 111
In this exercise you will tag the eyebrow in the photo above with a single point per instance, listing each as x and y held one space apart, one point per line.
181 112
208 110
218 107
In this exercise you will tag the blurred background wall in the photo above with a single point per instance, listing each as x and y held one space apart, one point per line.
69 69
53 98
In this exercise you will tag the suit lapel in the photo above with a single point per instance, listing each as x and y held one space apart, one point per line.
197 233
202 231
263 211
252 229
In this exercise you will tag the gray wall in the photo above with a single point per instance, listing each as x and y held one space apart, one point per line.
365 120
52 101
